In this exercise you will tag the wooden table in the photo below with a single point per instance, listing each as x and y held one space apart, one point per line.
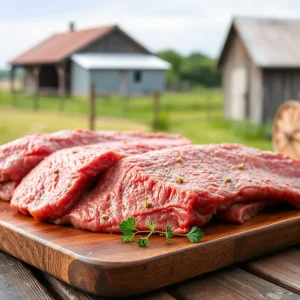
275 276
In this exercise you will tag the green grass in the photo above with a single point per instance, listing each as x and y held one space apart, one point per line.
15 123
196 115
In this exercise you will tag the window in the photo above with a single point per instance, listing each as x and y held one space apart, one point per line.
137 76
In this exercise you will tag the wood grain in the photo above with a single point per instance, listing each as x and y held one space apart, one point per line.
282 268
65 291
101 265
17 281
231 284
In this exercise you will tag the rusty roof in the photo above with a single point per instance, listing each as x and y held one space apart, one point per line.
271 43
59 46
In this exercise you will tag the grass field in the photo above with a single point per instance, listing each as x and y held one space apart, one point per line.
197 115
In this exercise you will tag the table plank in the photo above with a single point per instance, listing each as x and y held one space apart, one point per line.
18 282
230 284
65 292
281 268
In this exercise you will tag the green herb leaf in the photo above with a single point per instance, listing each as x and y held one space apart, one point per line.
128 225
151 226
195 234
128 228
169 234
128 237
142 241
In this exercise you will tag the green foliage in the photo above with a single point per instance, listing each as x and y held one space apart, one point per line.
128 228
195 234
142 241
196 68
175 59
199 69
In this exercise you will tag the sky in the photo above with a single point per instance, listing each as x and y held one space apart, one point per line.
183 25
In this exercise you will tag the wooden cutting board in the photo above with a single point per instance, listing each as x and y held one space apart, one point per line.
102 265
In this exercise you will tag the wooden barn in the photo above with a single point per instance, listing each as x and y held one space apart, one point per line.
106 56
260 64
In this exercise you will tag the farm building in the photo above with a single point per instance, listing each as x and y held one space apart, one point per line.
260 64
105 56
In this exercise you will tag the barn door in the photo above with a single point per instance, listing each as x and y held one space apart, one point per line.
239 102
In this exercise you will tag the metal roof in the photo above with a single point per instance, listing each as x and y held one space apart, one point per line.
120 61
271 43
59 46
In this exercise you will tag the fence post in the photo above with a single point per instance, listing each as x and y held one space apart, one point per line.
126 104
208 104
36 74
61 72
156 109
92 96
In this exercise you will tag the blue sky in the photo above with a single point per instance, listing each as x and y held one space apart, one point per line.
184 25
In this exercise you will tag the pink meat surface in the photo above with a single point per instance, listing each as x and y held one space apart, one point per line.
17 158
6 190
241 212
184 186
54 186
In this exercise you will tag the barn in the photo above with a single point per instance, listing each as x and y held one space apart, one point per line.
260 63
67 63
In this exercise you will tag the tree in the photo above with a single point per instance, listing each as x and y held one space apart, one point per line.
175 59
200 69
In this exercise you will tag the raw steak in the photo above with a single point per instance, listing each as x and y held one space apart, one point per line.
185 186
17 158
241 212
6 189
55 185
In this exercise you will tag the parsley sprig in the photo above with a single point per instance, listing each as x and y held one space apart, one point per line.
128 228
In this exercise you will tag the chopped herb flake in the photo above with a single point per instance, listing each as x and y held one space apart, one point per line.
104 217
241 166
180 180
147 204
227 179
74 151
178 159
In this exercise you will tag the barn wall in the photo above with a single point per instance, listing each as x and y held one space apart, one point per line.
256 106
108 81
279 85
80 80
113 43
150 81
237 55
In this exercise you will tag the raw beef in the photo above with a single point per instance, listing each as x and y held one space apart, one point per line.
17 158
54 186
185 186
6 189
241 212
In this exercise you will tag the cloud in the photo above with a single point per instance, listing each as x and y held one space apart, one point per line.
186 26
